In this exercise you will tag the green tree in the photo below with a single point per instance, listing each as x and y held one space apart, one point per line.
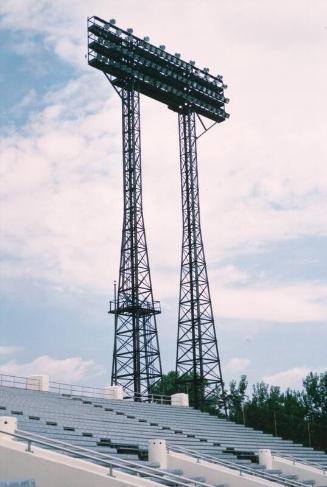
236 399
315 399
171 384
167 385
300 416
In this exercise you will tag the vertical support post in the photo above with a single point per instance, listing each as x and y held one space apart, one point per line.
197 361
136 358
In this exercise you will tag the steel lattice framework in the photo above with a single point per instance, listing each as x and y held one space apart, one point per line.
197 362
136 359
134 66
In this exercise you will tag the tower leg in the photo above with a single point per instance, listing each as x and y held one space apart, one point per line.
136 360
197 362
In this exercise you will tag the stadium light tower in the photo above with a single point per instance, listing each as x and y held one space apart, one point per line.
134 66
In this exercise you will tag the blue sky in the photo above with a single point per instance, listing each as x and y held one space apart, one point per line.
263 187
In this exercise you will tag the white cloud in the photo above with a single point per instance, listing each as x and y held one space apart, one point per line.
56 196
61 211
26 101
292 377
262 174
69 370
229 275
237 364
292 303
9 350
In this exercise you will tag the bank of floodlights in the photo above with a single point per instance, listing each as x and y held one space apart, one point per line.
156 73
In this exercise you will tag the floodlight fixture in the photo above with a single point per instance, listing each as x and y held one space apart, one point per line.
154 72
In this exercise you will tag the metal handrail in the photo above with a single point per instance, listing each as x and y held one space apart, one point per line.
151 398
294 459
234 466
108 460
77 390
17 381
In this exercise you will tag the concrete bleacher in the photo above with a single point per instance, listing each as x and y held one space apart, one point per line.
17 483
123 428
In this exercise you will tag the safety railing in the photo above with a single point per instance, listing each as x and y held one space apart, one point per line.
103 459
125 305
294 459
242 469
78 390
149 398
18 382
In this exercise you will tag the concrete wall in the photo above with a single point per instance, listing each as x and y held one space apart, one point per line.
304 472
214 473
51 469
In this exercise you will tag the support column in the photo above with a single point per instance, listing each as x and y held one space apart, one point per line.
197 362
136 360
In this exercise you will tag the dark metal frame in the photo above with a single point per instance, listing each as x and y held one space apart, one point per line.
136 361
135 66
197 358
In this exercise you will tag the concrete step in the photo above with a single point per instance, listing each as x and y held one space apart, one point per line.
242 462
198 479
162 481
175 471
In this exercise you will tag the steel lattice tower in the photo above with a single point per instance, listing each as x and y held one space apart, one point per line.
133 66
136 359
197 362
